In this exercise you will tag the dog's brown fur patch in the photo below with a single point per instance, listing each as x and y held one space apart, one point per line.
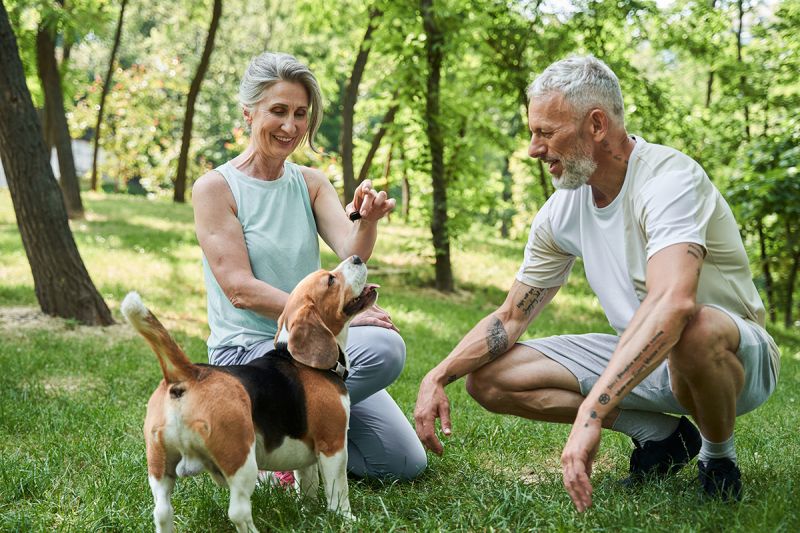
327 418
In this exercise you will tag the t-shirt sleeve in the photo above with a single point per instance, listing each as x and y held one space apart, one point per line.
677 208
545 264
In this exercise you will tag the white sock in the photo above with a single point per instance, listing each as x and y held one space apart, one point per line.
645 426
717 450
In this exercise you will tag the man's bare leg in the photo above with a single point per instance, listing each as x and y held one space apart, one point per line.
706 374
526 383
707 377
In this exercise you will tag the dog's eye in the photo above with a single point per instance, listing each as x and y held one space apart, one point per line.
331 279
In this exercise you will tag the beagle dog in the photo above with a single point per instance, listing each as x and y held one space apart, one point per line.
288 410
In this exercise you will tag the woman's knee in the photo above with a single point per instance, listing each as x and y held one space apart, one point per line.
390 352
404 466
415 463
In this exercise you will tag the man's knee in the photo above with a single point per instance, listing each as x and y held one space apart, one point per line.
709 339
483 390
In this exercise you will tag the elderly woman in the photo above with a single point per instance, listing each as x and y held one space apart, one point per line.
257 218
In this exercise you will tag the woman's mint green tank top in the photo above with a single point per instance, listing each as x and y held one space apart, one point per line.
281 238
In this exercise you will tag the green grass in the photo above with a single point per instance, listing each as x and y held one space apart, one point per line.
72 402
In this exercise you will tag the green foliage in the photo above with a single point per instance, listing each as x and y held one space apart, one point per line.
686 82
766 198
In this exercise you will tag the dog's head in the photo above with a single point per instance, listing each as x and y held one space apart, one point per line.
314 322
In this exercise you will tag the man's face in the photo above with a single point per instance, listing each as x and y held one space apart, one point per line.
556 139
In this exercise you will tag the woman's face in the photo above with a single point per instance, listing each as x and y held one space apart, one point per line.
279 121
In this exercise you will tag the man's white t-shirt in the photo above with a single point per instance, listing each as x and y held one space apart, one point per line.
666 199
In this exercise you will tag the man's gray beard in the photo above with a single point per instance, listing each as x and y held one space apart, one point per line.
577 171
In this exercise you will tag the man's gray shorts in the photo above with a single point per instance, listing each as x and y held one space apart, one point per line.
587 356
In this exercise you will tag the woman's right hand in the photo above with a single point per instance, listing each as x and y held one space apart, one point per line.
369 203
374 316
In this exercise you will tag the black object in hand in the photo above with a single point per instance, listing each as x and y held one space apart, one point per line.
355 215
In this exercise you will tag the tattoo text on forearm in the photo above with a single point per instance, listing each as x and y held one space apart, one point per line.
531 299
646 355
496 339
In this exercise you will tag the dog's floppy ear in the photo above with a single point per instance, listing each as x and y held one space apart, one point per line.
310 340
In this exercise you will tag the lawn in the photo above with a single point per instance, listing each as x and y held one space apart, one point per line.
72 402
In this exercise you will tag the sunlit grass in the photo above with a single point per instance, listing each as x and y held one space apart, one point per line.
72 401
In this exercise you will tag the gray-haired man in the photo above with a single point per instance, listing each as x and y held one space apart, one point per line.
662 252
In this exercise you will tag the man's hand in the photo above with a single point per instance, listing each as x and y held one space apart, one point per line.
374 316
578 456
432 403
369 203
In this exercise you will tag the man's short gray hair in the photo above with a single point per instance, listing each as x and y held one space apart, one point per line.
269 68
585 82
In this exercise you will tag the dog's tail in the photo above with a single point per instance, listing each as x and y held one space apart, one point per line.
174 363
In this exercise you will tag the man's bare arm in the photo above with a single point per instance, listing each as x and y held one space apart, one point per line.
672 278
489 339
496 333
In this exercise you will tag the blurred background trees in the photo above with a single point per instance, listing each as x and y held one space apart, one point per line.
714 78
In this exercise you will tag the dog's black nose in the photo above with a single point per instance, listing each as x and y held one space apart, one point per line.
357 260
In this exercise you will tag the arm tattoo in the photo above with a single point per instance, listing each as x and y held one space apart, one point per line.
604 399
647 354
496 339
696 251
531 299
451 378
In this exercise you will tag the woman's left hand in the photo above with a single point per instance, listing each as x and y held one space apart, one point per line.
374 316
370 204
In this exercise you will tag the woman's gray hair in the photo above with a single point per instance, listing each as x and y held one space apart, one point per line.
269 68
585 82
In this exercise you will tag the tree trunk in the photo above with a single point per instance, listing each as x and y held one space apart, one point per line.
709 88
710 82
349 106
194 90
269 22
441 240
405 187
742 78
387 170
764 260
788 319
507 208
104 93
63 286
57 121
388 118
791 279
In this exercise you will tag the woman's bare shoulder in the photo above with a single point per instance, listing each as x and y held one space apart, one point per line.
316 180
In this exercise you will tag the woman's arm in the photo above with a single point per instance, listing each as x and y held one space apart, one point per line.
346 238
220 235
